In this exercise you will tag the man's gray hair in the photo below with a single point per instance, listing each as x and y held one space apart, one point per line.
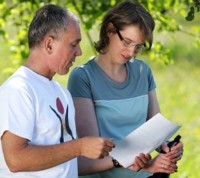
48 20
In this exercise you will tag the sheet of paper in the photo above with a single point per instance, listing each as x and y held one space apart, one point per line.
144 139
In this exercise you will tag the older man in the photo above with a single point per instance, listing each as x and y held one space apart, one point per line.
37 128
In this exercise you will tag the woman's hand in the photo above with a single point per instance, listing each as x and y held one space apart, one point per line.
140 162
175 153
161 164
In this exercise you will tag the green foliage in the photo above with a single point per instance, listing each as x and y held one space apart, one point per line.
191 13
16 15
14 21
161 54
90 11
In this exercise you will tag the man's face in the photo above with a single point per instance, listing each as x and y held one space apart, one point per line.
66 49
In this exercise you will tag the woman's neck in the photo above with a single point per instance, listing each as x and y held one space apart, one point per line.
116 72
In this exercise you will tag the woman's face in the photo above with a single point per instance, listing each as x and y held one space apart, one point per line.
125 44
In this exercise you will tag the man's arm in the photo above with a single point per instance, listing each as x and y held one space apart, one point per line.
20 156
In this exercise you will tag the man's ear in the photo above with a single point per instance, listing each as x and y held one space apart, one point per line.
48 44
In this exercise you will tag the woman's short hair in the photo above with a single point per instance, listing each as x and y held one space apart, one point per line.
122 15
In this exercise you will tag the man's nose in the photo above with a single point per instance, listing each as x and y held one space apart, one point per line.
79 52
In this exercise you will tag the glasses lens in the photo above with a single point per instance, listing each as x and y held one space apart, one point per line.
139 48
128 44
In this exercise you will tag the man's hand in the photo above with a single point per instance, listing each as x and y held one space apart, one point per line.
95 147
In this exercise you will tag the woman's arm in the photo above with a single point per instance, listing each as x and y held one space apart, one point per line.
153 107
165 163
86 124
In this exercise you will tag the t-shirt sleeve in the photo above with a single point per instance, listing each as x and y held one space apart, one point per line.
79 84
17 112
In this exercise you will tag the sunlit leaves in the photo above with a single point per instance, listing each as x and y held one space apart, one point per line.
15 18
16 15
161 54
91 10
190 15
193 9
197 39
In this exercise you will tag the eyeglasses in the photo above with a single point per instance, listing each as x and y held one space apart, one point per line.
128 44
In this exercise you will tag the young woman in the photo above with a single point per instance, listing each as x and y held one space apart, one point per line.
114 93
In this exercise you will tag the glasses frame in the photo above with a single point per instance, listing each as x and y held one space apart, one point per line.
137 47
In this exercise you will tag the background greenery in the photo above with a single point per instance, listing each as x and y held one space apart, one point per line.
174 58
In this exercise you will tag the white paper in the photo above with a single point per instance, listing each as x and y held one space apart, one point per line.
144 139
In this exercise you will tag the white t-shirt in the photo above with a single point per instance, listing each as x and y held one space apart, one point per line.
40 110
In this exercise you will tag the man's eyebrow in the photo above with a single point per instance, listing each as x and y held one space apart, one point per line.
78 40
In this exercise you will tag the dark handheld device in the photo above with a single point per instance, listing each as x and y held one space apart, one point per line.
170 145
173 143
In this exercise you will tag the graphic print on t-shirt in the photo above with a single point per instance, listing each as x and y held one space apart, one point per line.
60 109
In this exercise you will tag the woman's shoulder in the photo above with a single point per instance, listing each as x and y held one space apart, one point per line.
138 62
83 70
86 66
